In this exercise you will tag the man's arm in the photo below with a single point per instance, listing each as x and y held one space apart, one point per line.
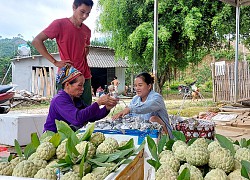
38 43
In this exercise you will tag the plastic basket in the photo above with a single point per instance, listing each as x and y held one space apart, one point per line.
194 128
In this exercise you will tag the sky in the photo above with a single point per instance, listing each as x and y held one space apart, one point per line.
29 18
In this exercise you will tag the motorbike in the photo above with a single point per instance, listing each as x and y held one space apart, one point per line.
6 98
186 90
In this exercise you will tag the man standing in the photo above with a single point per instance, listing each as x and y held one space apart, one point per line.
73 40
115 83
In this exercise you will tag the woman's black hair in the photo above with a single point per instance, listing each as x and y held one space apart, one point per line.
147 78
78 3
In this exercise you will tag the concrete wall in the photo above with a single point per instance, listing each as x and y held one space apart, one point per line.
22 70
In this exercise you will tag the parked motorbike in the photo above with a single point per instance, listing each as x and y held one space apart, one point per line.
6 98
186 90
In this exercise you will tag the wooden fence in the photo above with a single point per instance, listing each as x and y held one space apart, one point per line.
223 75
43 81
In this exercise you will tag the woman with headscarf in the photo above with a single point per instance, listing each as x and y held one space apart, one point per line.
67 106
147 103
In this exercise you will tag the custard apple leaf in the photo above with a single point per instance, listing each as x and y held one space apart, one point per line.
55 139
152 148
191 141
82 164
28 150
169 144
185 175
84 154
18 148
99 163
46 134
35 140
129 144
68 160
66 132
245 169
71 149
243 142
179 135
154 163
119 154
88 132
139 148
162 143
102 157
225 143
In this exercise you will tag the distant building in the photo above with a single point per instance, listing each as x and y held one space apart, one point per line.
36 74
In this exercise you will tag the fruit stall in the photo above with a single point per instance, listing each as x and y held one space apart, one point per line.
130 149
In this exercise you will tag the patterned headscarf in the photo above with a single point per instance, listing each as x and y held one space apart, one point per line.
67 74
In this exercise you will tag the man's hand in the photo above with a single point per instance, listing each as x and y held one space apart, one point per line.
61 63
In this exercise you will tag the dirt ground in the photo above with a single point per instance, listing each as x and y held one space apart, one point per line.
220 128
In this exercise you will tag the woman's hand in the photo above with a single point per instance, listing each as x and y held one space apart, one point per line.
108 101
61 63
121 114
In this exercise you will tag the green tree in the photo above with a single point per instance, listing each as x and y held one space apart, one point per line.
187 30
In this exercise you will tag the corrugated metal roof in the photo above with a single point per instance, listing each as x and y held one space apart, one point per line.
101 57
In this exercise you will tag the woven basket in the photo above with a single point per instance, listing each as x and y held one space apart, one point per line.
194 128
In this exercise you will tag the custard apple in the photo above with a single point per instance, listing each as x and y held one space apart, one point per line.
242 154
108 146
213 145
25 168
81 148
97 138
216 174
197 155
221 158
40 163
71 176
165 172
200 142
45 151
61 150
195 173
87 168
236 147
33 156
89 176
236 174
170 159
16 160
179 147
46 173
237 164
101 172
6 168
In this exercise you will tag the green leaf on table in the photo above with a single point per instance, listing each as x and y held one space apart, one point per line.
55 139
192 140
65 131
18 148
28 150
162 143
128 145
225 143
101 158
120 154
243 142
248 143
46 134
169 144
100 163
35 140
179 135
245 169
155 164
82 164
142 145
185 175
88 132
71 149
152 148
